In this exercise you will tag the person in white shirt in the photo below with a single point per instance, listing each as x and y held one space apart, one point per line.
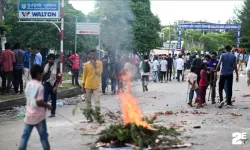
174 67
164 67
179 67
156 67
240 61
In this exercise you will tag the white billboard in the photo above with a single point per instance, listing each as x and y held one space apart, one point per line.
87 28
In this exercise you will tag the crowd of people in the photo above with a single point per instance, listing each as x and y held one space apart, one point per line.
14 67
207 70
43 81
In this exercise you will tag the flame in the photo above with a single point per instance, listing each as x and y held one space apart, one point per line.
130 109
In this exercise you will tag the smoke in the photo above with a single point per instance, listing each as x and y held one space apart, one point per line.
116 27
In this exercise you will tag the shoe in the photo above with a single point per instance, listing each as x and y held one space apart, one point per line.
146 88
229 106
213 102
205 104
190 104
221 104
52 115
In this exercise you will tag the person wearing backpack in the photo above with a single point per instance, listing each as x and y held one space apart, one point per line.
145 67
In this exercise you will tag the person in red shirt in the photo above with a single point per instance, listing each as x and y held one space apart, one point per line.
8 58
203 84
75 68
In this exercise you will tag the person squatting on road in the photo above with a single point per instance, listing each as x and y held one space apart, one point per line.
228 66
192 81
90 86
145 67
50 82
35 110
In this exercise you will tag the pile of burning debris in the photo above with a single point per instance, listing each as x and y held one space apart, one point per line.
136 132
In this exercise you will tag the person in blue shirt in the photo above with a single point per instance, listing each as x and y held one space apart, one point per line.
228 65
246 57
26 64
38 59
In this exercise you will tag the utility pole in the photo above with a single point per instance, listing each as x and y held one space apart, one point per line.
2 36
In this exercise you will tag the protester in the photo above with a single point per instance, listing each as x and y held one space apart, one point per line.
1 69
118 73
105 73
51 81
170 67
26 64
163 69
156 68
112 76
145 66
197 64
203 84
193 86
248 72
228 65
35 110
75 68
90 85
18 68
8 58
179 67
174 67
212 75
246 58
241 61
38 57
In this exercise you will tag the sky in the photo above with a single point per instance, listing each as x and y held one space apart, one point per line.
168 11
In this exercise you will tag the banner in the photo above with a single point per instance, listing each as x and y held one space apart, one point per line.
39 9
88 26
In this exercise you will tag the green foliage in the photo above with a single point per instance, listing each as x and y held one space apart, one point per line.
244 18
46 34
127 25
139 135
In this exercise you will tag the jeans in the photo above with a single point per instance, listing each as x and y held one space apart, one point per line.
155 75
229 80
104 84
75 74
226 88
145 80
179 72
169 74
42 130
18 79
88 111
113 85
9 77
191 94
163 75
48 91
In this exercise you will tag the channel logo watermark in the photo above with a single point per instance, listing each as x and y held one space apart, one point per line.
239 138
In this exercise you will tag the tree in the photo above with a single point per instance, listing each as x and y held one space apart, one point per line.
45 34
127 25
244 17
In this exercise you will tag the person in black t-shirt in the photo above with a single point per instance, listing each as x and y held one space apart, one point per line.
170 67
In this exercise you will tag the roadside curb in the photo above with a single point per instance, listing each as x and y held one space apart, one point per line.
9 103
